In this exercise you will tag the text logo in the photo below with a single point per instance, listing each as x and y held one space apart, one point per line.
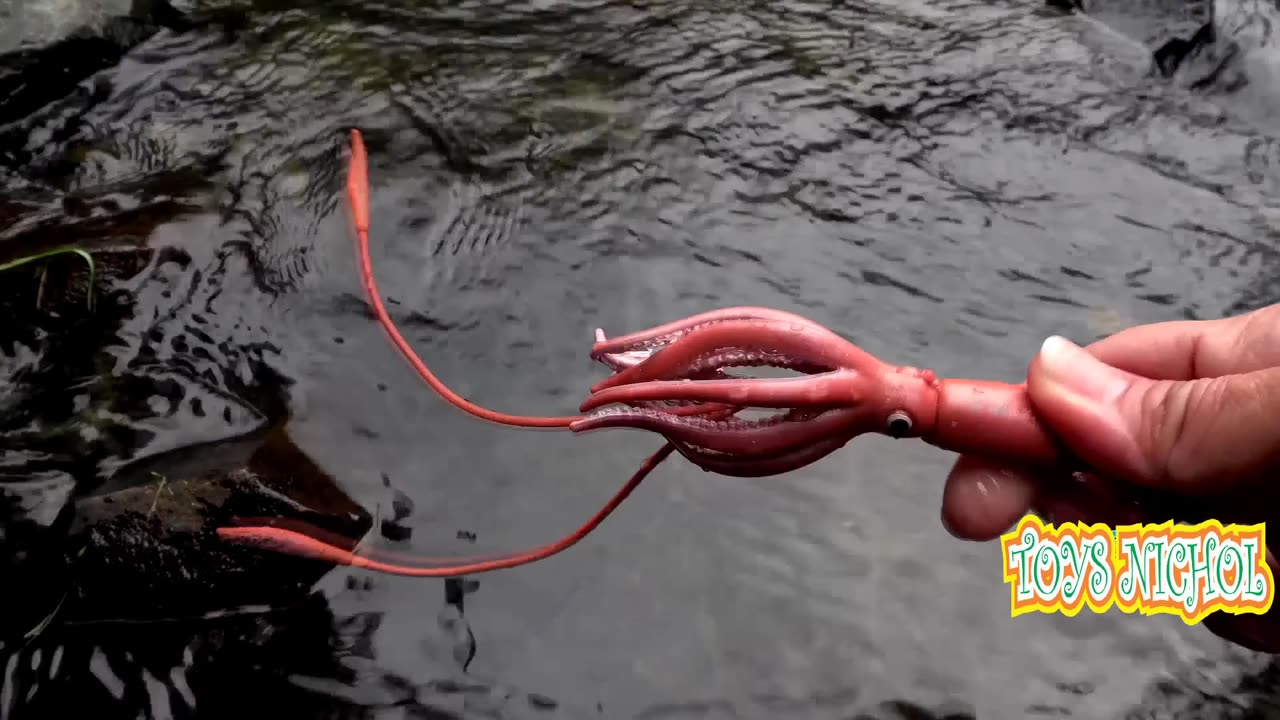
1185 570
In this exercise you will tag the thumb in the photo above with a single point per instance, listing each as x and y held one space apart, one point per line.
1195 436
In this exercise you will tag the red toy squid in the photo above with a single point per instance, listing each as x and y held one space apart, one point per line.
671 380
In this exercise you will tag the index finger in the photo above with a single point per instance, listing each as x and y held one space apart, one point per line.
1191 349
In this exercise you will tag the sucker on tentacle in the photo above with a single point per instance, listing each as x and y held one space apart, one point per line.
800 346
753 467
747 438
824 389
669 333
618 360
623 360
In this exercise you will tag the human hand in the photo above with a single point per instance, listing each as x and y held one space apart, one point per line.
1176 420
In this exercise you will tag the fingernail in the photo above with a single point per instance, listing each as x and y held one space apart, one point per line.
1075 370
1085 399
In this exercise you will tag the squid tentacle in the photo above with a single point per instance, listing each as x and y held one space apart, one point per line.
809 391
809 347
670 332
754 467
621 361
737 436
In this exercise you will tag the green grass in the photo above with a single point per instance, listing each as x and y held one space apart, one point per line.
88 259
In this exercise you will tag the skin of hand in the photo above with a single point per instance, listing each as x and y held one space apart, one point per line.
1176 420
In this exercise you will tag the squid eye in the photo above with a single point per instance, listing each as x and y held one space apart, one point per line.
899 424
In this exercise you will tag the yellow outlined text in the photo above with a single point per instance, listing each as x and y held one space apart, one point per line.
1184 570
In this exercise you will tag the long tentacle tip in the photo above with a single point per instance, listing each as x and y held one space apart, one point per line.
238 534
287 542
358 183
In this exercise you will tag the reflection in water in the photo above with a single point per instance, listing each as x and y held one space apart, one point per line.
943 181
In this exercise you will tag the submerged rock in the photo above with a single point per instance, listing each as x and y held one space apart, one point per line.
54 69
144 545
149 543
60 285
93 219
78 46
1151 23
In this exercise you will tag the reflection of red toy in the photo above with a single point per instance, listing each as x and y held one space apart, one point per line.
672 380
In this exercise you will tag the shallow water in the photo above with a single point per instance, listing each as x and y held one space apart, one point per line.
945 182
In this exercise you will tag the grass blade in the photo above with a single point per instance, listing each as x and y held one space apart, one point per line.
88 259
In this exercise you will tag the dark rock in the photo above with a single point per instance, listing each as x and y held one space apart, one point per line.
396 532
1177 51
401 505
149 545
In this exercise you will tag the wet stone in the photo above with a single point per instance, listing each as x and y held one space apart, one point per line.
401 505
149 549
395 531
